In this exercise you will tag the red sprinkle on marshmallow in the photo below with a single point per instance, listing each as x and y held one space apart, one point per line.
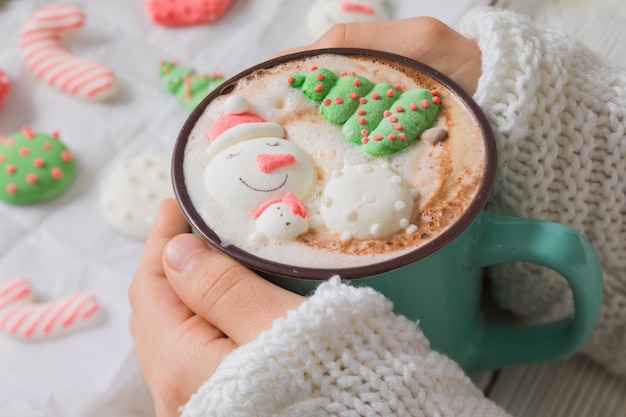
436 100
424 104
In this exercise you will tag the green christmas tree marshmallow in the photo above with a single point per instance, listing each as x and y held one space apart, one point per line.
379 117
33 167
187 85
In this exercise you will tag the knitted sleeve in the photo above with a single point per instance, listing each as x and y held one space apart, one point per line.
559 114
343 352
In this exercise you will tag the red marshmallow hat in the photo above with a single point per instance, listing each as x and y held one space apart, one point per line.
237 125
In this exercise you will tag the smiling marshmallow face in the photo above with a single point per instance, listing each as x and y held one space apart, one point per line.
257 170
323 14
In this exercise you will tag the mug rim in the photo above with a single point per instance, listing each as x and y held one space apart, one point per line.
263 265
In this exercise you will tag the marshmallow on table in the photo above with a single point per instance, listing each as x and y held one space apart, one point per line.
324 14
132 193
43 52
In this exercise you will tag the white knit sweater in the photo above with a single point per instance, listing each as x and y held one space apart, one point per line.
343 352
559 113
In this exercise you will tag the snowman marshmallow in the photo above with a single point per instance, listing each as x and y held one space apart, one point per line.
324 14
252 168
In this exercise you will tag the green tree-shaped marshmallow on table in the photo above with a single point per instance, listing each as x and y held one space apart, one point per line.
186 84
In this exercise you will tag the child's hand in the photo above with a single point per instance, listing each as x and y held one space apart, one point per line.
423 39
191 306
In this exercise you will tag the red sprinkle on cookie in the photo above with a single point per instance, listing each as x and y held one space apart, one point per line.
33 167
5 87
186 12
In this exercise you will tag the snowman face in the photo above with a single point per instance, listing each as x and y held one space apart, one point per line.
249 173
324 14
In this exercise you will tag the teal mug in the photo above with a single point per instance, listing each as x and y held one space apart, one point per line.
440 284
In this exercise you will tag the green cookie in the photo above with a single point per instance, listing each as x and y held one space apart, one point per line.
33 167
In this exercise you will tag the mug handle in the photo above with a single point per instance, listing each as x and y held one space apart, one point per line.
511 239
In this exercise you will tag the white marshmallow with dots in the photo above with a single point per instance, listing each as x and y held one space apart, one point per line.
132 193
367 201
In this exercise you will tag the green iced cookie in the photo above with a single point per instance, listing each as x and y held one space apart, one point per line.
33 167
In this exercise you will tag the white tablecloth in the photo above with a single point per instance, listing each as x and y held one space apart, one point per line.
65 245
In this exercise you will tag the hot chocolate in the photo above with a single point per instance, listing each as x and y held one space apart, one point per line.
330 160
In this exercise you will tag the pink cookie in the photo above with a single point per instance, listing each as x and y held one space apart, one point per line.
5 87
186 12
45 57
23 318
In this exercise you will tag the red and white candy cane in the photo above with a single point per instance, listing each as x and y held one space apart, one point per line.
12 290
21 317
40 43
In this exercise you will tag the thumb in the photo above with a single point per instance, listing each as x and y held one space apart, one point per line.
225 293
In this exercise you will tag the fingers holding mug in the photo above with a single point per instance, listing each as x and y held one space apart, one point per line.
223 292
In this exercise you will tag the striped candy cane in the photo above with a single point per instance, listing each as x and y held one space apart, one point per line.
21 317
12 290
40 43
